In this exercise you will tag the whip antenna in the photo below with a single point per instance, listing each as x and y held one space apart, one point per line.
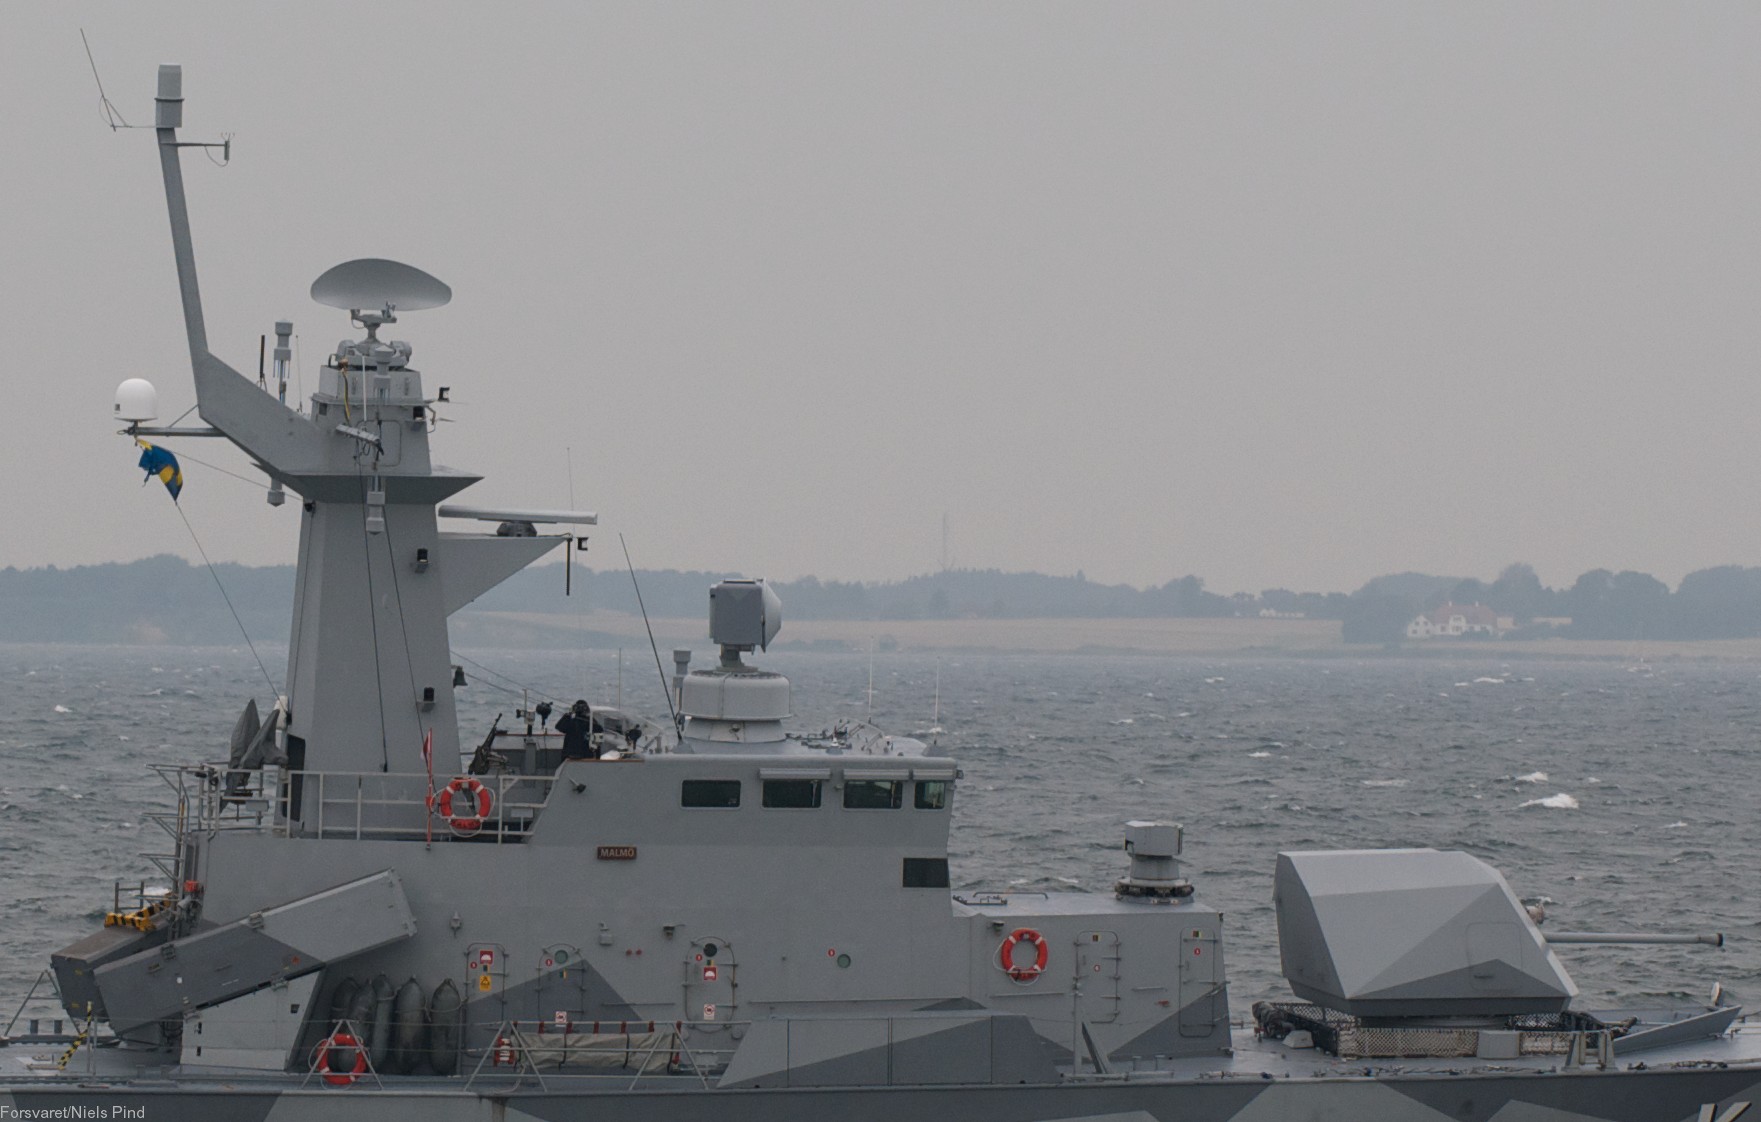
111 116
677 727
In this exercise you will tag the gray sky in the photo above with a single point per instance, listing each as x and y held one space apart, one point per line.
1281 295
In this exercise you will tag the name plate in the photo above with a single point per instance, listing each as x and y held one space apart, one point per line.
617 853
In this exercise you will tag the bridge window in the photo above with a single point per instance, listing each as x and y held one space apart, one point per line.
791 794
874 794
926 872
932 794
718 794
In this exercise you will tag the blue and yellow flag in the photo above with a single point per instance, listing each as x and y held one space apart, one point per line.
159 462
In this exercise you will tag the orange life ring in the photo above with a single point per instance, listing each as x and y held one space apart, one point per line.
343 1075
476 808
1006 954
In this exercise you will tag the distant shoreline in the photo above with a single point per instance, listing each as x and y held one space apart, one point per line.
1275 638
1195 638
163 600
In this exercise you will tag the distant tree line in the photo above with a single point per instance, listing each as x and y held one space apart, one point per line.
161 599
165 599
1717 603
950 594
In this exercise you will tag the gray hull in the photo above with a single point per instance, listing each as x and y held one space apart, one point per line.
1639 1096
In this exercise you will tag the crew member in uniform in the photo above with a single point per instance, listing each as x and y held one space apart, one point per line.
577 729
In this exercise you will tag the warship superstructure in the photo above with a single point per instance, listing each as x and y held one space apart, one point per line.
710 916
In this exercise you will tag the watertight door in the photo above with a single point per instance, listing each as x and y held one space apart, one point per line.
1201 982
709 981
561 991
1097 976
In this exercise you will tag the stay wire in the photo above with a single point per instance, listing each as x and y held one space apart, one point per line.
517 684
215 467
504 689
218 583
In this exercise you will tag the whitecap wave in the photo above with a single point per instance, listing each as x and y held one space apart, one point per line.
1384 782
1561 801
1532 777
62 709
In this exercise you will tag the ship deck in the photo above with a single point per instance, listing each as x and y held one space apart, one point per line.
26 1062
1263 1058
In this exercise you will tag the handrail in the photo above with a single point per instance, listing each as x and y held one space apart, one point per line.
851 736
509 817
650 743
352 804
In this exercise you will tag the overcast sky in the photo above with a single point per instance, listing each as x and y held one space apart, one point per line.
1280 295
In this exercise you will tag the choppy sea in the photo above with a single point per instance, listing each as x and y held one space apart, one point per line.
1626 796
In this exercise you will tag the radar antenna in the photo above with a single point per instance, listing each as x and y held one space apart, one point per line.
374 282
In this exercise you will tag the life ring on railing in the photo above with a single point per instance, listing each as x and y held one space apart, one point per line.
476 799
332 1059
1006 954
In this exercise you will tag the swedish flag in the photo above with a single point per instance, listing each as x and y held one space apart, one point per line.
159 462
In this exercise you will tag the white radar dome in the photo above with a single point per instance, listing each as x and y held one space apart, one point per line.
137 400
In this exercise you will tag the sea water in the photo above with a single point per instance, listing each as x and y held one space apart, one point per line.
1623 796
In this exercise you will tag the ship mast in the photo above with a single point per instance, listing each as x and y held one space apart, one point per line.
369 674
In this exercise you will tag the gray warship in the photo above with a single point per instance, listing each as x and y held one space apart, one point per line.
709 916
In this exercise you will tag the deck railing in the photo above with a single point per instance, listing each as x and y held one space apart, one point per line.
358 805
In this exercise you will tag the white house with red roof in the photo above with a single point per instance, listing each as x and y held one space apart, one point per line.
1454 621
